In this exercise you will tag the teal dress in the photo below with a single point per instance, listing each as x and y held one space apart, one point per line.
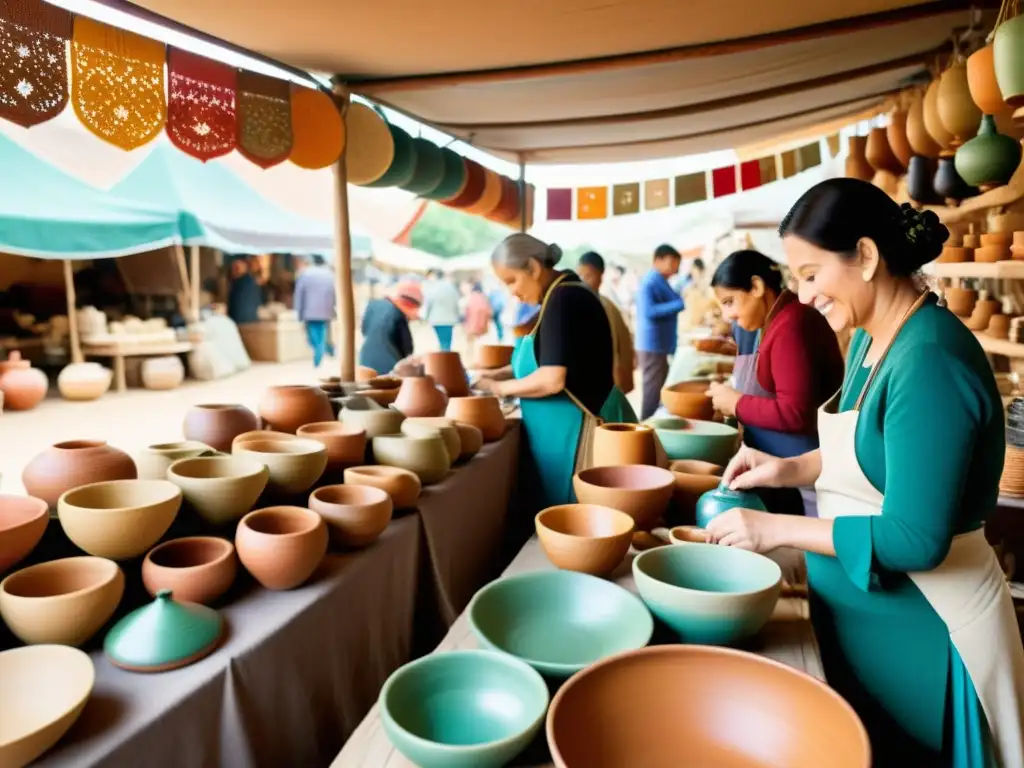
930 439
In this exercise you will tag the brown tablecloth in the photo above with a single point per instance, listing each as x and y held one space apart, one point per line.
788 638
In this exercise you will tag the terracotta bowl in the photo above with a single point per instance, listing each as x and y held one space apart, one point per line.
295 465
642 492
696 439
619 444
425 426
687 400
493 355
585 537
345 443
696 467
382 397
355 514
482 411
960 301
427 456
688 534
220 488
705 699
44 691
61 601
376 422
119 519
197 569
23 521
261 434
471 440
402 485
281 546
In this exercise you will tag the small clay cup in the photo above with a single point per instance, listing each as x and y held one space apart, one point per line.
197 569
355 514
281 546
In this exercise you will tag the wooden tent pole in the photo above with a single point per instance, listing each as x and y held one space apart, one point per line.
523 215
343 252
195 281
69 291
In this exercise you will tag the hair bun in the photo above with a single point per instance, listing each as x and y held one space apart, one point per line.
553 255
925 235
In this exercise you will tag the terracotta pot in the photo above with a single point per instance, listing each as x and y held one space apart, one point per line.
23 386
917 133
295 465
687 400
218 424
984 309
948 184
355 514
437 425
23 521
345 443
954 255
920 175
287 408
618 444
896 132
68 465
996 239
999 327
960 301
857 165
281 546
879 154
957 110
153 462
641 492
419 396
374 422
584 537
364 373
426 456
382 397
401 485
490 356
990 254
981 79
446 369
84 381
482 411
1008 59
197 569
471 440
220 488
932 122
989 159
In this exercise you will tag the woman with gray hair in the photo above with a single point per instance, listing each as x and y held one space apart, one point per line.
561 371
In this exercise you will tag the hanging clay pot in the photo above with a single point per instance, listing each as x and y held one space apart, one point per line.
989 159
957 110
1008 60
947 183
287 408
419 396
68 465
920 175
917 134
23 386
932 122
981 78
619 444
857 165
896 132
446 369
879 154
218 424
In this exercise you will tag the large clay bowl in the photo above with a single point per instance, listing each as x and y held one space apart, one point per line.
220 488
493 355
295 465
23 521
287 408
482 411
694 439
375 422
426 426
119 519
61 601
558 622
642 492
706 593
463 709
355 514
674 705
401 485
687 400
345 443
45 688
217 424
585 537
471 440
426 456
197 569
154 461
281 546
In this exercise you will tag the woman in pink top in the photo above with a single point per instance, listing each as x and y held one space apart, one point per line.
477 318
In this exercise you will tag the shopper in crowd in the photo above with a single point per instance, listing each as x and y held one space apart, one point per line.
387 339
498 298
476 318
315 296
657 319
245 295
591 270
441 307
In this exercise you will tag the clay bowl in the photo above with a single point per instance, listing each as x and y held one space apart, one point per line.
197 569
375 422
401 485
692 480
295 465
482 411
706 593
695 439
584 537
355 514
386 383
471 440
220 488
426 426
61 601
119 519
687 400
261 434
493 355
696 467
281 546
44 691
154 460
427 456
217 424
722 707
641 491
463 708
558 622
618 444
688 534
382 397
345 443
23 521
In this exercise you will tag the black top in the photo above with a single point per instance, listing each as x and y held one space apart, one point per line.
386 336
575 334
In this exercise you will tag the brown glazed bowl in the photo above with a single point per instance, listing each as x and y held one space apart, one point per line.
688 401
345 443
716 706
355 514
281 546
402 485
197 569
23 522
641 491
584 537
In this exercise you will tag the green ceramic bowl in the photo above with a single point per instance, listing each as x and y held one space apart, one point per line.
706 593
559 622
463 709
695 439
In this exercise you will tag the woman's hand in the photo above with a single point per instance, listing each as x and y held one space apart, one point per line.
754 469
744 529
724 398
488 385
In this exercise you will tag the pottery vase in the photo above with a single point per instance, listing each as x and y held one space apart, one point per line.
957 110
481 411
981 79
419 396
446 369
68 465
721 499
896 132
989 159
426 456
920 175
932 122
23 386
879 154
84 381
217 425
153 462
948 184
162 373
287 408
1008 60
917 134
619 444
857 165
281 546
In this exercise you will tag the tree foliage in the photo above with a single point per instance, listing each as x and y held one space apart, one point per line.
446 232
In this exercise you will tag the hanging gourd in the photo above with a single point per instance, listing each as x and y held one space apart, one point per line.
264 119
957 110
879 154
939 133
896 132
917 134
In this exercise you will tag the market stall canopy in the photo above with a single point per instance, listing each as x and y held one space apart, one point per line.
49 215
575 81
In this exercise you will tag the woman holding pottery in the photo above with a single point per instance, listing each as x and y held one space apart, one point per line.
912 612
562 370
788 364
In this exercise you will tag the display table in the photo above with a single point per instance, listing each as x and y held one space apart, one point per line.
119 351
788 638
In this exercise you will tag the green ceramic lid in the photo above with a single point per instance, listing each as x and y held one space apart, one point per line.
454 176
163 635
429 168
403 166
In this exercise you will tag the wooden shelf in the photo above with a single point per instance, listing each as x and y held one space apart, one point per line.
999 270
999 346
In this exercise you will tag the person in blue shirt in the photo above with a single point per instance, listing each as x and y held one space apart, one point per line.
657 321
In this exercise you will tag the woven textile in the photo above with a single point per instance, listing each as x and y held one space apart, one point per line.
33 61
201 117
264 119
317 131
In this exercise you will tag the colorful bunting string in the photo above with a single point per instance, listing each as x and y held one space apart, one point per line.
201 117
264 119
592 203
656 194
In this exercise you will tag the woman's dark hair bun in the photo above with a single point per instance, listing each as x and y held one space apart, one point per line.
552 256
924 232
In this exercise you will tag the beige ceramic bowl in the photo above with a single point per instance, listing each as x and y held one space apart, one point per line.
402 485
152 462
425 426
426 456
45 688
23 521
355 514
295 464
585 537
220 488
62 601
376 422
119 519
281 546
260 434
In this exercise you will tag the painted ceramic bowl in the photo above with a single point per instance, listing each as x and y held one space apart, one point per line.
402 485
558 622
281 546
642 492
695 439
197 569
355 514
584 537
706 593
721 499
463 709
23 521
220 488
295 465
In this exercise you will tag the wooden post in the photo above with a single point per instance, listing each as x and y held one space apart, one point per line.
196 282
69 290
343 252
523 215
179 260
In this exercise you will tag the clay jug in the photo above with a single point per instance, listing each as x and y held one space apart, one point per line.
84 381
1008 60
897 135
620 444
218 424
857 165
446 369
939 133
22 385
879 154
287 408
981 79
920 174
957 110
917 134
68 465
989 159
419 396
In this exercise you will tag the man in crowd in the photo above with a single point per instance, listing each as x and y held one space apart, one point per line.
314 304
441 307
657 317
591 270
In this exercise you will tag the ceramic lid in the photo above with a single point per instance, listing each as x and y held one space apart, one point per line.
163 635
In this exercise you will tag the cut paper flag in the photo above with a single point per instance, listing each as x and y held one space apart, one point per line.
656 194
809 156
691 188
559 204
769 169
592 203
723 181
201 119
833 145
750 174
264 119
33 61
625 199
790 165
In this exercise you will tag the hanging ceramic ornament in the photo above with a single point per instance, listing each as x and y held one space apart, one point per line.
1008 60
939 133
917 133
957 110
989 159
897 135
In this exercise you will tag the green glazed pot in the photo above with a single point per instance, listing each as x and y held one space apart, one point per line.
163 635
695 439
1008 58
721 499
990 158
559 622
454 176
429 167
403 165
706 593
463 709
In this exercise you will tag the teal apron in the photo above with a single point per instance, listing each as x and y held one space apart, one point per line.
554 425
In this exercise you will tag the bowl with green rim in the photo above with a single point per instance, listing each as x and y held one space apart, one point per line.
463 709
696 439
558 622
707 593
